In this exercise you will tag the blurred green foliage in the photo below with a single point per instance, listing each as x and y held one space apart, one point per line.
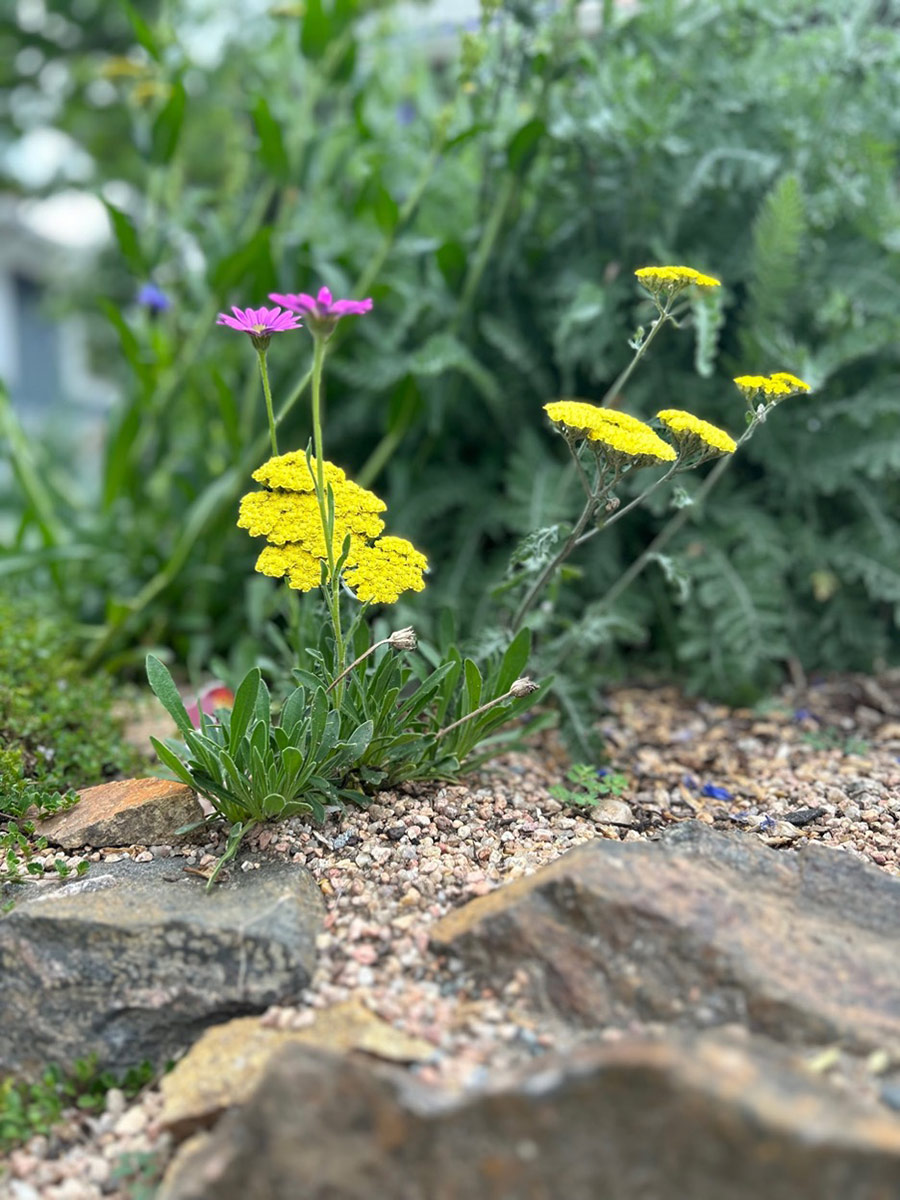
57 729
496 206
27 1109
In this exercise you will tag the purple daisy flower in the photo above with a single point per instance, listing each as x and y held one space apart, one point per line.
260 323
322 312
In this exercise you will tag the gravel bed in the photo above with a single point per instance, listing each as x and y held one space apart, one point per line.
816 762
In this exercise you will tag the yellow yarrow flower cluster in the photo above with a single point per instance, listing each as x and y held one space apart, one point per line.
795 384
618 432
782 383
688 429
287 514
674 279
388 567
291 472
281 517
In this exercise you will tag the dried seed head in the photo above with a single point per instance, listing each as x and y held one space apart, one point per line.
403 639
522 687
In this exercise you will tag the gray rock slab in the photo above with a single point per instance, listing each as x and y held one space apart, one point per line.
696 1119
700 928
133 961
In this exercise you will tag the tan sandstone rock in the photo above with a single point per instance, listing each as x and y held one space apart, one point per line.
127 812
224 1067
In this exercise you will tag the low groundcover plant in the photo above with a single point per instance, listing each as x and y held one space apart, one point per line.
367 716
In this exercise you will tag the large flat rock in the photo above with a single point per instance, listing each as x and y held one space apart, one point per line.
135 960
700 928
697 1119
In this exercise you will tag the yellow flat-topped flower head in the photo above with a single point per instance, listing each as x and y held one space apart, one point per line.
287 515
795 384
282 517
669 281
770 387
691 433
621 436
577 416
636 447
380 572
290 472
302 570
765 385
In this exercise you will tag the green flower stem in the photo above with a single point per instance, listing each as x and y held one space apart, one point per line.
619 513
326 509
669 530
562 554
346 671
616 386
511 694
579 468
317 368
267 391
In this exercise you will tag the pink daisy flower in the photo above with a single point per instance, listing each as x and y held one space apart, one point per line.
322 312
260 323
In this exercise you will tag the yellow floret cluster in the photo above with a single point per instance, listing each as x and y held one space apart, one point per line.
619 432
782 383
673 279
795 384
377 569
281 516
686 428
291 472
388 567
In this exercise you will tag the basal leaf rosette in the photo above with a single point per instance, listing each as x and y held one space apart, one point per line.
287 515
617 437
694 436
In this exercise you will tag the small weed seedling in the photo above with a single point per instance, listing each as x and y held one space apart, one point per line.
30 1108
591 786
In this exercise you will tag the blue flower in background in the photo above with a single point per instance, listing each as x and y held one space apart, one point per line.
690 782
406 112
715 793
153 298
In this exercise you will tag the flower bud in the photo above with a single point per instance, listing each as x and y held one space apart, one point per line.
522 687
403 639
